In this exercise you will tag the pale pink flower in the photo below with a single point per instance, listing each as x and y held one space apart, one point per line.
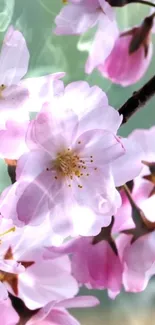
101 267
14 59
41 281
8 314
130 56
77 16
138 260
73 166
142 188
57 313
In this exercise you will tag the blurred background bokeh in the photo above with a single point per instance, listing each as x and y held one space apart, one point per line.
50 53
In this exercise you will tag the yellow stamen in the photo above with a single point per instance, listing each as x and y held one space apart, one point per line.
8 231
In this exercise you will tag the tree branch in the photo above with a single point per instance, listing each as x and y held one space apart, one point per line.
138 100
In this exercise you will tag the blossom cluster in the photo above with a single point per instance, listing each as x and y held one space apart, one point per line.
80 208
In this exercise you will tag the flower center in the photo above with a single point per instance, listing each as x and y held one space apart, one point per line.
67 163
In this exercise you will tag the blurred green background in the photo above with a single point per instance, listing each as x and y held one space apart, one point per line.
50 53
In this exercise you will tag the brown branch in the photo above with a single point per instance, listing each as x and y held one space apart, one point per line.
138 100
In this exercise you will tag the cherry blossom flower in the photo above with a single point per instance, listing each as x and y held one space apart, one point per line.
79 15
41 281
133 50
57 313
142 187
138 259
8 314
138 256
14 59
101 266
73 166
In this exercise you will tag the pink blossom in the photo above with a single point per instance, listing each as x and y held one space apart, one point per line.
125 66
42 281
74 163
101 266
78 16
142 188
8 314
14 59
138 260
57 313
138 257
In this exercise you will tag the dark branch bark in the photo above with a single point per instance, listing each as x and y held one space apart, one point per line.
138 100
12 173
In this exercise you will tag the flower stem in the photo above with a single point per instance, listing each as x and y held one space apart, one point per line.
137 100
144 2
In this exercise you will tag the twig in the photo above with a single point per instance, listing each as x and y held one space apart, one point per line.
138 100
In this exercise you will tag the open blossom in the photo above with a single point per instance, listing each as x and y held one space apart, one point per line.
138 260
73 166
14 59
56 313
138 257
101 266
77 16
38 281
133 50
142 187
8 314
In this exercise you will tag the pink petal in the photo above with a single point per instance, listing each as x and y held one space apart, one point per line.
47 281
11 266
37 193
75 19
102 145
12 140
8 313
79 302
42 89
3 294
92 107
61 317
14 98
31 164
130 162
14 58
102 45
